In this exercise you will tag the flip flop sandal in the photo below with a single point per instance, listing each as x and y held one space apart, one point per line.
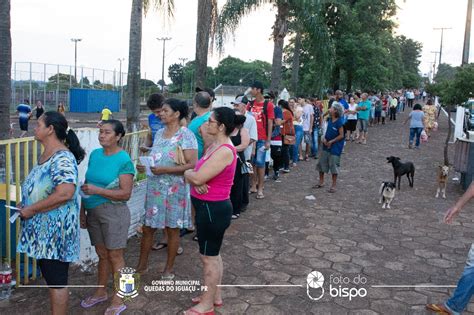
115 310
252 191
331 190
197 300
195 238
318 186
91 301
159 246
260 196
438 308
192 311
180 251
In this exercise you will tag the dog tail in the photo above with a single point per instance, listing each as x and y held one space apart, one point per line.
381 188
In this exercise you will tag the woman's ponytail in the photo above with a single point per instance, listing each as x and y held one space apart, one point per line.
72 142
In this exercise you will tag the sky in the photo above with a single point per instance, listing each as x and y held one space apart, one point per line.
42 32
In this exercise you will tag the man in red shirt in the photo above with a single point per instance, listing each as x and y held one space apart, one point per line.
264 115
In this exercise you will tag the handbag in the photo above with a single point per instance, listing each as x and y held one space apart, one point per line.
290 139
179 156
245 167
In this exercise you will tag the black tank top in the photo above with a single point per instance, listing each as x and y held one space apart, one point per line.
237 140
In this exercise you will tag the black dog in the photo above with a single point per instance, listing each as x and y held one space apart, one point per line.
400 169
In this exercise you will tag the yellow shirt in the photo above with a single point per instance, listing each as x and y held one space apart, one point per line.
106 114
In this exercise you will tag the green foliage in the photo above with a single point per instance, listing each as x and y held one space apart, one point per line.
459 89
445 73
231 71
175 73
350 44
64 80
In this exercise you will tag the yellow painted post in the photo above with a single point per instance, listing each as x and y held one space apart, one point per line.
35 161
8 169
26 170
17 230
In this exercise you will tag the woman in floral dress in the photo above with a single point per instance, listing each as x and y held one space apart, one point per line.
168 204
430 116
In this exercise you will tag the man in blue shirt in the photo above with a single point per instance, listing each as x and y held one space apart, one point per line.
24 113
333 143
154 103
363 114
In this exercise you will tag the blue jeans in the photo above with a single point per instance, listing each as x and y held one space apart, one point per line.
296 147
415 132
260 154
314 144
465 289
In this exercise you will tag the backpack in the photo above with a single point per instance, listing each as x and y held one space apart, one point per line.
265 105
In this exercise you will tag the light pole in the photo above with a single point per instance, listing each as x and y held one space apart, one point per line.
434 63
120 80
75 40
183 60
164 39
467 34
441 44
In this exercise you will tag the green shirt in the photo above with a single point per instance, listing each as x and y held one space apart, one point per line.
194 126
104 171
364 114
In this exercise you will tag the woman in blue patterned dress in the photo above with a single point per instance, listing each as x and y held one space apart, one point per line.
168 204
50 209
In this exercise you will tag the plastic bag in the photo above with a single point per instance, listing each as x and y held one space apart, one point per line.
424 136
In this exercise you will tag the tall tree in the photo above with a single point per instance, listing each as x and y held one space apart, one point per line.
206 25
139 7
231 15
5 69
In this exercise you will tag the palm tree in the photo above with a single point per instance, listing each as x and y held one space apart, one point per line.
206 26
139 7
231 15
5 69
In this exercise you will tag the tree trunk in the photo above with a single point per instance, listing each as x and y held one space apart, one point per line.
350 78
134 59
5 70
296 64
202 41
336 77
280 29
446 143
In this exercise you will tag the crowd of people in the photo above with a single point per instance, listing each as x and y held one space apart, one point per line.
206 166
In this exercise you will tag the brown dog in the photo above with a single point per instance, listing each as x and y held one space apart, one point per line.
443 172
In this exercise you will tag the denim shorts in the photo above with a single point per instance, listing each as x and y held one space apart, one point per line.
260 154
363 125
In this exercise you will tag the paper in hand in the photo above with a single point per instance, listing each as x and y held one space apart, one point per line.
81 193
148 162
15 214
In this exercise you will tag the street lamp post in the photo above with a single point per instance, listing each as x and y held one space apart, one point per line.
467 34
183 60
120 80
434 63
75 40
441 44
164 39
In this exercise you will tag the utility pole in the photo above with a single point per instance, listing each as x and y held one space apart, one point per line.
120 81
467 34
75 40
434 63
441 44
183 60
164 39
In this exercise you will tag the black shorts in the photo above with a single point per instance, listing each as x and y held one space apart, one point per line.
24 124
55 272
351 125
212 219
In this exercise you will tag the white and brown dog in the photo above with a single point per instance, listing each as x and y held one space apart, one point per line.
387 194
443 172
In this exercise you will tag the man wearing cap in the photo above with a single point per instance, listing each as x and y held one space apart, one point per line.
250 124
264 115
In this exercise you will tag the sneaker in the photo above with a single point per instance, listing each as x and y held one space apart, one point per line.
235 216
266 177
275 177
286 170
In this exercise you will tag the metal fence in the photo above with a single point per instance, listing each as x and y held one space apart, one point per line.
17 157
50 83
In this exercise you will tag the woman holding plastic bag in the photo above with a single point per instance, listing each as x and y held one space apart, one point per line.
417 125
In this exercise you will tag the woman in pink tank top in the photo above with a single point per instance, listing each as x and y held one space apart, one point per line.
211 181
